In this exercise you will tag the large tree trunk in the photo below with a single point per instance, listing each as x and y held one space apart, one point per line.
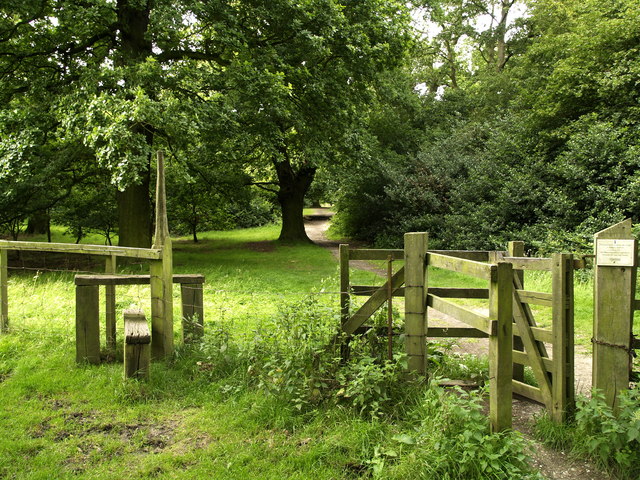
134 215
293 187
134 203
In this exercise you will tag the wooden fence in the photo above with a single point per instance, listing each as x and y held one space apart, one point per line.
160 268
515 339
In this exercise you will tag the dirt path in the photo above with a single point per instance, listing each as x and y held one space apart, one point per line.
553 464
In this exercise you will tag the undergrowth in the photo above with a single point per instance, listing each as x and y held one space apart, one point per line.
611 440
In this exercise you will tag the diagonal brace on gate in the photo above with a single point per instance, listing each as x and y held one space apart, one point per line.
377 299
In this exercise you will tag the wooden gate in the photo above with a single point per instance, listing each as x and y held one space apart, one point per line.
515 340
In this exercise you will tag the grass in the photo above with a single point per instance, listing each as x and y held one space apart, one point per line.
60 420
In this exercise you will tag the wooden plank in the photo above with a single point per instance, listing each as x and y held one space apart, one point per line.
87 324
501 348
540 334
614 304
455 332
192 312
368 290
529 263
372 304
481 293
474 319
100 279
106 250
4 292
527 391
563 337
475 255
110 304
415 301
136 329
460 265
452 292
523 358
345 300
535 298
375 254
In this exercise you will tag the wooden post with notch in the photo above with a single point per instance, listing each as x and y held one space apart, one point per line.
516 249
110 304
563 385
136 345
4 291
87 324
501 345
415 301
616 253
161 275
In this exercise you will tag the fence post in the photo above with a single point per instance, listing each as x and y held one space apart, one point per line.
563 386
192 311
161 275
87 324
516 249
110 304
4 291
614 291
343 251
501 345
136 345
415 300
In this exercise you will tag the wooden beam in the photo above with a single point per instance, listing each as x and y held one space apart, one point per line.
455 332
501 348
87 324
415 301
535 298
516 249
345 298
110 304
375 254
474 319
523 358
105 250
475 255
529 263
461 265
372 304
183 279
136 345
527 391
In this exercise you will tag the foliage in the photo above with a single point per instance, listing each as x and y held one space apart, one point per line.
610 439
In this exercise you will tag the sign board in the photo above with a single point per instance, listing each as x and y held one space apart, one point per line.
615 253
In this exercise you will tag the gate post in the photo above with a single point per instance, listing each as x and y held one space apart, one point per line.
614 298
563 385
516 249
162 276
501 346
415 301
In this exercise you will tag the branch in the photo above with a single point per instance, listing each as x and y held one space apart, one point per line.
263 187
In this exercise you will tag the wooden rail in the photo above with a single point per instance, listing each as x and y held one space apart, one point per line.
104 250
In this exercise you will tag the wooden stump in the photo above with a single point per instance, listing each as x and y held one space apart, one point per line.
137 348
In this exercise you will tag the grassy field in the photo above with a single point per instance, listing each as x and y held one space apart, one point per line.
226 409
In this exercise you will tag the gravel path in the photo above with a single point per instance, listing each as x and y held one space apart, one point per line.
553 464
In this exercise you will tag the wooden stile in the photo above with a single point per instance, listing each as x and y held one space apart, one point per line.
415 300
